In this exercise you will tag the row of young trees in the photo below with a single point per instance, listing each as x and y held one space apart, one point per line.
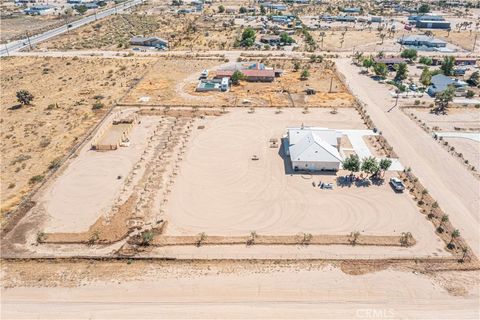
369 165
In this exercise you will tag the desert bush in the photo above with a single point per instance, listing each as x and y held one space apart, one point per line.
36 179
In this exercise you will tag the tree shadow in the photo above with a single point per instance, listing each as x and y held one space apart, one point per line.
15 107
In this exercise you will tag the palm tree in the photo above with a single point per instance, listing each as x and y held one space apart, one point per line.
354 237
405 238
253 235
442 222
455 234
202 238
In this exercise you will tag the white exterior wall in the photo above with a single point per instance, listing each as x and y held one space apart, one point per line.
316 166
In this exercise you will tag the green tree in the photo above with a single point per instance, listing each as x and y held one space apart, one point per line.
410 54
285 38
147 237
351 163
368 63
237 76
455 234
402 71
370 165
243 10
221 9
380 69
81 9
305 74
447 65
425 60
248 37
474 79
424 8
384 164
442 99
426 77
262 10
24 97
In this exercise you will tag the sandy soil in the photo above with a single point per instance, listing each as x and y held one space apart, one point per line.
463 118
231 194
419 151
234 291
469 148
89 186
173 82
34 137
16 27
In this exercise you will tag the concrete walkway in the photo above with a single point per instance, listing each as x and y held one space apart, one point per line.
475 136
360 147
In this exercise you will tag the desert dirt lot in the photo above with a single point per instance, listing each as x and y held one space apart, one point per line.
16 27
280 290
458 120
36 137
173 82
231 194
183 32
461 118
100 195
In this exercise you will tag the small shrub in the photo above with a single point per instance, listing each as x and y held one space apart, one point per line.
147 237
36 179
97 105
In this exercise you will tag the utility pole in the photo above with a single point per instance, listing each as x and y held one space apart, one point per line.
474 42
6 48
331 83
29 43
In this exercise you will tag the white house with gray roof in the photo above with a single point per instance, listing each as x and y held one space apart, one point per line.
313 148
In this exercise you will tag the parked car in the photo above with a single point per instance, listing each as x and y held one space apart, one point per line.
397 184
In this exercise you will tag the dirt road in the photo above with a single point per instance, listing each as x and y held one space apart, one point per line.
326 293
447 180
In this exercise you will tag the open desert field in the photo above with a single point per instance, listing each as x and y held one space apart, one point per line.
459 131
206 156
233 289
36 137
173 82
16 27
184 32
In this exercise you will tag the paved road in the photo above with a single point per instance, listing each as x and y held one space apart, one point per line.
448 181
15 46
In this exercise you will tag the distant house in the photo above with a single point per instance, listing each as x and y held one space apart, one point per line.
39 10
441 82
256 72
426 18
313 149
345 18
390 61
422 40
376 19
205 85
149 42
432 24
351 10
275 6
272 40
250 75
459 61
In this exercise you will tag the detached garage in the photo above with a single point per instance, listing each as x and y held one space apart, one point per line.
313 149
